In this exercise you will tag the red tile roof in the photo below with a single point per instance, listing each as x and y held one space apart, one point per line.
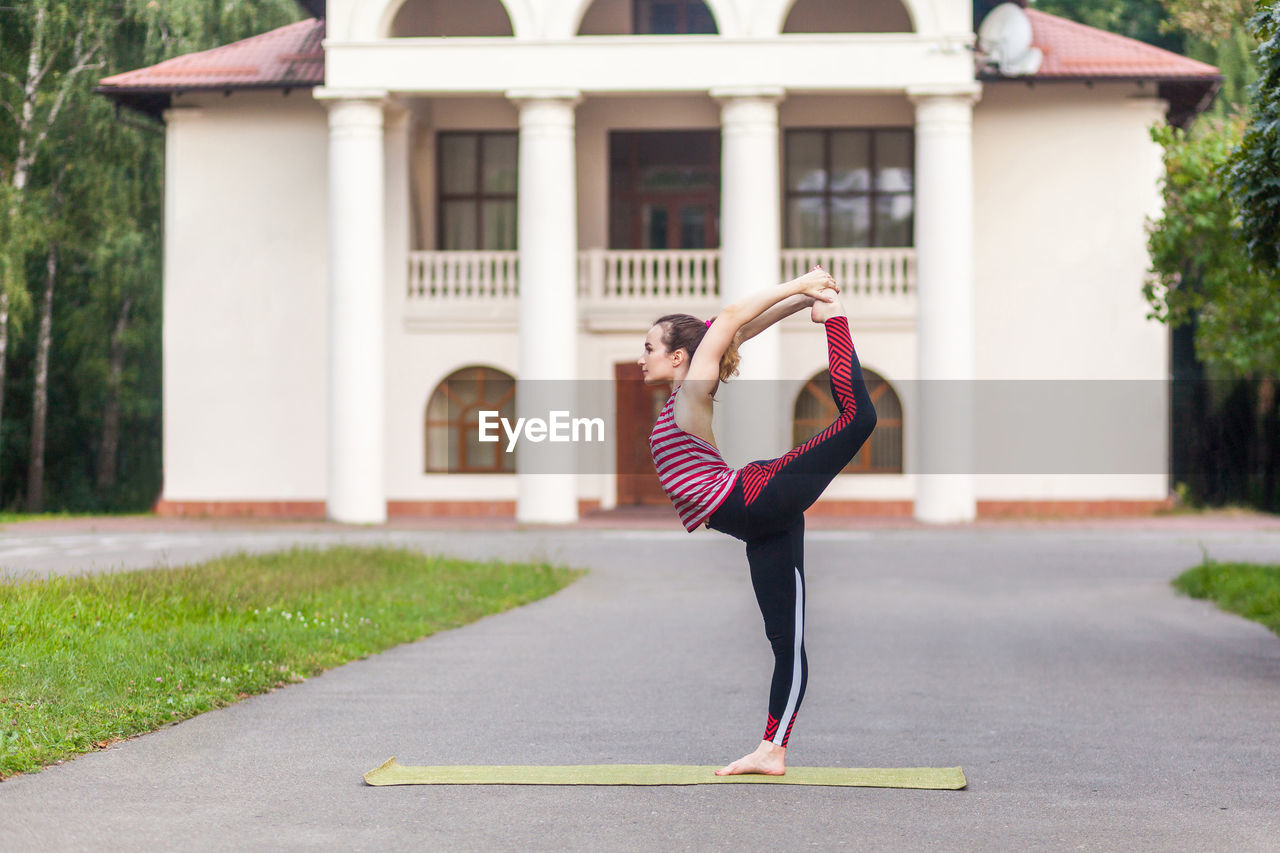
292 56
1081 52
289 56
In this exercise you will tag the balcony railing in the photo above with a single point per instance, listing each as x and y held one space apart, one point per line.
625 288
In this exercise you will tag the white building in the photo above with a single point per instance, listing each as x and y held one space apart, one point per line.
403 192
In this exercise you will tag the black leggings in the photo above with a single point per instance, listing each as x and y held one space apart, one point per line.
766 508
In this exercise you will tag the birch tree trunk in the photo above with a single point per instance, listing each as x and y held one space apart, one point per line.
32 131
111 411
40 396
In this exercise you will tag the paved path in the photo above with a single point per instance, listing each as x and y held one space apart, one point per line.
1091 707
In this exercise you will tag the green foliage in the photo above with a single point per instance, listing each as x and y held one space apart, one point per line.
105 217
86 661
1255 173
1199 268
1138 19
1248 589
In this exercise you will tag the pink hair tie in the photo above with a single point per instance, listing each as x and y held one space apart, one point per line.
709 322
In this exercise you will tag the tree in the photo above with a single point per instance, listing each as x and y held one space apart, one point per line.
64 45
91 362
1199 266
1202 275
1255 172
1137 19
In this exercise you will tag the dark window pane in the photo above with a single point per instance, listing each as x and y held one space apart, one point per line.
459 221
499 226
806 223
894 166
850 161
894 220
672 17
620 224
499 162
458 163
700 19
805 169
664 18
693 228
851 222
655 226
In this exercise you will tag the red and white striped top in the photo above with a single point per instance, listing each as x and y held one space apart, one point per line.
691 470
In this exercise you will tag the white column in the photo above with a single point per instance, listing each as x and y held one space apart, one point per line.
357 277
548 346
397 122
750 259
944 327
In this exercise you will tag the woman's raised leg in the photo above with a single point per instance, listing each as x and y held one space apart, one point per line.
792 482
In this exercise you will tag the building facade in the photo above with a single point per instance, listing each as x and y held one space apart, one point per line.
381 221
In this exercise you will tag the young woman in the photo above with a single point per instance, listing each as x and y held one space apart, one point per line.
762 503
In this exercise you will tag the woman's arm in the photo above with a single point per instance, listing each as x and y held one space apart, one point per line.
704 369
781 311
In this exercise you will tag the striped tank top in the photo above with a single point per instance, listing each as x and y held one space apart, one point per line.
691 470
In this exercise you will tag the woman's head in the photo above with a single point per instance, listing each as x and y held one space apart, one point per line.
671 343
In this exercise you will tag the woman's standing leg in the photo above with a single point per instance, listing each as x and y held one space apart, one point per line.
777 576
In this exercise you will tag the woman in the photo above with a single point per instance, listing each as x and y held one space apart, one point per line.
762 503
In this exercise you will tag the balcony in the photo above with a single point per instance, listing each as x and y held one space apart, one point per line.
625 289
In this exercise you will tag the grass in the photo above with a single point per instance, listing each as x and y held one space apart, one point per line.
1249 589
88 661
19 517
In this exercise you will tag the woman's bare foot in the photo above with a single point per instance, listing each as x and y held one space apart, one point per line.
768 759
824 311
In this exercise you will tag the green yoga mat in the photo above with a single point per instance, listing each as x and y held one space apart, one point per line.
393 773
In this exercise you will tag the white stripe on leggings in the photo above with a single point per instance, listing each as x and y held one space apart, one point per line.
785 723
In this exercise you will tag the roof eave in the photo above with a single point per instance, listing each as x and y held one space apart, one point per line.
1187 96
152 101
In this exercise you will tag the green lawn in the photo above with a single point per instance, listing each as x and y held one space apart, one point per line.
1249 589
87 661
19 517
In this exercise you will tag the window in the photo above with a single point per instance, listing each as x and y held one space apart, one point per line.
816 409
672 17
850 188
664 189
477 191
453 423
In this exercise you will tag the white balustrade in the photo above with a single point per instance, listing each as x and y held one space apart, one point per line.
645 276
619 287
463 276
860 272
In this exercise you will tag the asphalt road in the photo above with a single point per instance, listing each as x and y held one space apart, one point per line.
1090 706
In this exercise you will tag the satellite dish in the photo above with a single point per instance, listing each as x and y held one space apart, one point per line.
1005 40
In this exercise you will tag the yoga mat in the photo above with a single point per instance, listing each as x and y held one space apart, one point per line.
393 773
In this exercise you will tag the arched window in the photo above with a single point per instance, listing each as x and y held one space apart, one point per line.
816 409
647 17
842 16
452 427
459 18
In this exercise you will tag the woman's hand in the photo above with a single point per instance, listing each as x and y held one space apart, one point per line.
813 283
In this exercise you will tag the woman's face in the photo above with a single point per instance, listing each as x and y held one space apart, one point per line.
655 362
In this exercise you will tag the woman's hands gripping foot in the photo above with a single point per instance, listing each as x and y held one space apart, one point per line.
769 759
824 311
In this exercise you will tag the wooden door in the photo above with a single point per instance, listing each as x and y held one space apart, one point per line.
638 406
